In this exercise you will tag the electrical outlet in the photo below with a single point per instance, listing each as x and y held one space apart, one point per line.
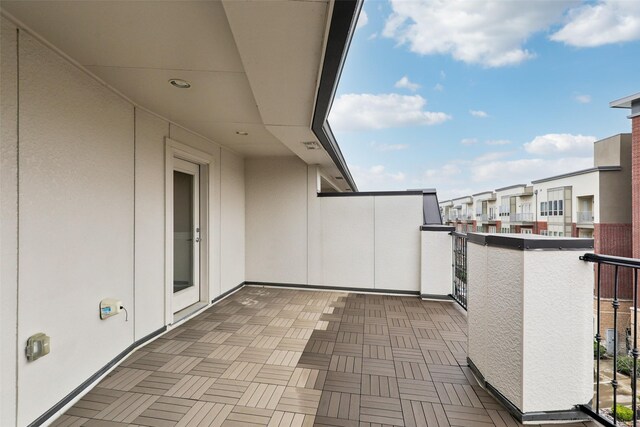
109 307
38 345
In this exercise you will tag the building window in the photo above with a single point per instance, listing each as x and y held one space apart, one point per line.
560 207
555 207
543 208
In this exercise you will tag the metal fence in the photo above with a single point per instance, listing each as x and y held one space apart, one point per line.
615 362
459 291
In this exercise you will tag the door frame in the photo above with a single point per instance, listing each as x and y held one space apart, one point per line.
175 149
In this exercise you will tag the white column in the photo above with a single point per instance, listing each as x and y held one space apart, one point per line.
436 261
530 313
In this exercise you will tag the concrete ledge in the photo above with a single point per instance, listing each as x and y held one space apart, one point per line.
525 242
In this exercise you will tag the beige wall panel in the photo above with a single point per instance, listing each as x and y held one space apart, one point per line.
276 220
397 242
348 241
9 223
149 231
232 220
76 224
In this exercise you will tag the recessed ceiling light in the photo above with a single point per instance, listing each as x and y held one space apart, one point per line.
339 177
180 84
242 132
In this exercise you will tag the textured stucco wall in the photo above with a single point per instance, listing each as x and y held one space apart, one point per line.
76 224
232 220
9 222
557 330
478 306
92 191
436 271
522 338
504 321
276 219
348 241
397 242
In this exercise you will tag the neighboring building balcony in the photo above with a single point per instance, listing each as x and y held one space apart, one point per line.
585 218
522 217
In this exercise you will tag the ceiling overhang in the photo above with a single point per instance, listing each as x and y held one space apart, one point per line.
263 73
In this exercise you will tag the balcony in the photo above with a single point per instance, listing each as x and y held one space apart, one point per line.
291 358
521 217
585 218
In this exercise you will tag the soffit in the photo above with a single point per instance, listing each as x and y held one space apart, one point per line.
250 63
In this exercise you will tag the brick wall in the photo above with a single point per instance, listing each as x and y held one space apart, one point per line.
635 184
540 226
574 230
614 239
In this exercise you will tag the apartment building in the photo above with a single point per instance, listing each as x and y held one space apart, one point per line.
590 203
486 212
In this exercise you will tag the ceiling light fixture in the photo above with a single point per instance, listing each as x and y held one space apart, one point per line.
242 132
311 145
180 84
339 177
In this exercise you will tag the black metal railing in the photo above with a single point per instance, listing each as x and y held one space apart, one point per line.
616 365
459 291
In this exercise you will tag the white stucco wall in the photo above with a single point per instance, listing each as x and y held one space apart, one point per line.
76 224
348 254
293 236
503 333
92 224
530 330
149 239
397 242
276 220
436 255
557 330
232 219
9 222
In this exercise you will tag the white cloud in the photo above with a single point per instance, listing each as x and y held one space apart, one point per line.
468 141
497 142
443 75
371 112
363 19
373 36
479 113
389 147
438 87
489 33
605 22
583 99
561 143
376 177
405 83
494 170
507 172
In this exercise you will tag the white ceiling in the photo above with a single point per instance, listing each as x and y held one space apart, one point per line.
253 65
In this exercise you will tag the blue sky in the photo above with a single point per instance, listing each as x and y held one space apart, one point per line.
471 95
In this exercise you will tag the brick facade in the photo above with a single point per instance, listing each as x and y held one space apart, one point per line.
614 239
635 184
540 226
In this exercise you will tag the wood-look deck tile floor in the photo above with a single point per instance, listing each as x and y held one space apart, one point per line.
280 357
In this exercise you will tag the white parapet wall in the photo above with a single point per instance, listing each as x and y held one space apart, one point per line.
530 312
436 256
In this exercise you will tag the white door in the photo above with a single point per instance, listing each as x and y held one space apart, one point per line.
186 234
